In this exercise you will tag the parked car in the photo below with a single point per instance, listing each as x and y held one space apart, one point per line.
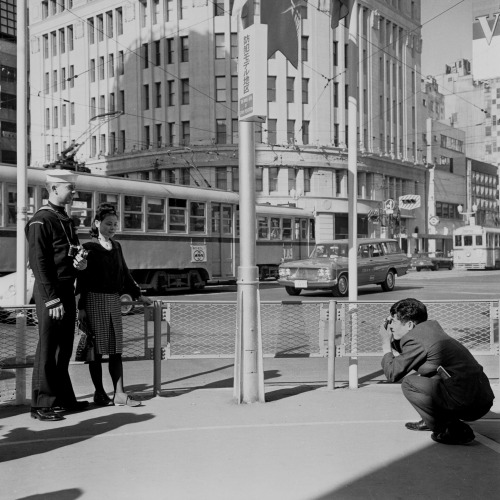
379 261
431 260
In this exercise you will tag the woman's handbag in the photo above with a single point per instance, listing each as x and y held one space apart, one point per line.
85 351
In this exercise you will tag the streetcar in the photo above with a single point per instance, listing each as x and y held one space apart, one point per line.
476 247
173 236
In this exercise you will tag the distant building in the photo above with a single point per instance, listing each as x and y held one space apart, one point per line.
171 67
8 81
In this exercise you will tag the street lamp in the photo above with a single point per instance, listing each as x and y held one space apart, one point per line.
460 209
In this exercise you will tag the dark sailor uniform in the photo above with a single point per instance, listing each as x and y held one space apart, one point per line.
50 232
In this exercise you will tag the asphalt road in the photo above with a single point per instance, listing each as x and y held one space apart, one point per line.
426 285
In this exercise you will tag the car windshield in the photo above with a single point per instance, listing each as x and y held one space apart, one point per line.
329 250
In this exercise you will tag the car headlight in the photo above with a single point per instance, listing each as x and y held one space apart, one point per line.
284 272
324 274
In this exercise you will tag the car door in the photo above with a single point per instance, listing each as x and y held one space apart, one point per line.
365 265
380 262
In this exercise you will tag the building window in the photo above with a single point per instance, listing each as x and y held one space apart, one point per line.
235 129
91 30
290 81
47 118
121 62
45 46
271 131
234 89
71 76
218 7
145 55
273 178
158 94
290 131
171 134
184 49
63 115
221 135
147 136
159 138
171 92
220 48
292 179
111 65
109 24
259 173
62 41
170 51
121 102
157 53
185 133
307 180
170 10
146 96
156 11
305 132
54 81
70 38
305 90
92 70
119 21
111 102
304 47
220 88
53 43
101 68
185 91
100 28
271 89
221 178
92 108
234 45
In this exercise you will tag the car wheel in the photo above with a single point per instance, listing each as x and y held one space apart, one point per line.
127 308
436 267
389 282
342 287
292 291
419 269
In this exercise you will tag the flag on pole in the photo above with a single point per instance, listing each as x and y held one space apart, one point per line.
244 9
283 21
339 9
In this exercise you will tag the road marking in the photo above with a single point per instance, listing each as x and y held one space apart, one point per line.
493 445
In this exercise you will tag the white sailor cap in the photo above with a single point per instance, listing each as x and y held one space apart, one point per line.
57 175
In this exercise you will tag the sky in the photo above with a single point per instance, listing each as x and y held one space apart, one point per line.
447 37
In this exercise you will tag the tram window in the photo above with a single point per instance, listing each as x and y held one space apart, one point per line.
112 199
312 229
81 209
287 229
132 212
215 219
467 241
458 241
303 229
479 240
156 214
227 220
177 221
197 217
263 228
275 228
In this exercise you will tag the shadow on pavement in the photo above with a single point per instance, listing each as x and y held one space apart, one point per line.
23 442
70 494
288 392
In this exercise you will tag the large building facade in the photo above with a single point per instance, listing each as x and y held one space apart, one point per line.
171 66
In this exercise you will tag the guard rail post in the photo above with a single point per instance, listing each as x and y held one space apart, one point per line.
332 320
157 311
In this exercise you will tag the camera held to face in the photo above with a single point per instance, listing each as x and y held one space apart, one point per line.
75 250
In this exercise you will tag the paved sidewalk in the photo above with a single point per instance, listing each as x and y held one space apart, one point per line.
194 442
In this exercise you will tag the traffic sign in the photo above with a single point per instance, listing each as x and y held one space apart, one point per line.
409 201
389 204
433 220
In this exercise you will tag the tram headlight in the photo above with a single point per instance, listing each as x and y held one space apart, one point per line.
284 272
324 274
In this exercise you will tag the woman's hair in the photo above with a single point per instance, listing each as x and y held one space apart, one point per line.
103 210
409 310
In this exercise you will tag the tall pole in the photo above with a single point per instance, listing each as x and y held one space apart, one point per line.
22 191
248 364
352 183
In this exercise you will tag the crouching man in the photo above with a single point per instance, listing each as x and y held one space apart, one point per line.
449 387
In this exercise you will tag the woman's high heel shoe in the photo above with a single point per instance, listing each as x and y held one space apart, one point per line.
125 400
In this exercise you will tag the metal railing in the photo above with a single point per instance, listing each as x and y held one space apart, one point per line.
189 329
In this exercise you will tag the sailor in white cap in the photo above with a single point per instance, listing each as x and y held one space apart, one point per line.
55 256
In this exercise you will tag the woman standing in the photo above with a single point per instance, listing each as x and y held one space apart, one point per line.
100 286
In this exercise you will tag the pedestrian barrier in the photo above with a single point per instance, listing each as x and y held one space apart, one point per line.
189 329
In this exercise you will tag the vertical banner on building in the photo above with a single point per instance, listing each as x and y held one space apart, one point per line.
485 39
252 73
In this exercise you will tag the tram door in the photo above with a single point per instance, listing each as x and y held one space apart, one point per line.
223 240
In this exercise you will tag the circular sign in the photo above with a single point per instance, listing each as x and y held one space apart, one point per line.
389 204
433 221
198 255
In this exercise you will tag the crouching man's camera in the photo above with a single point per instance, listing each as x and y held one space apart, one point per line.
75 250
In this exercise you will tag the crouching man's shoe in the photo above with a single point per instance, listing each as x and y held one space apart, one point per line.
417 426
45 414
459 433
72 407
